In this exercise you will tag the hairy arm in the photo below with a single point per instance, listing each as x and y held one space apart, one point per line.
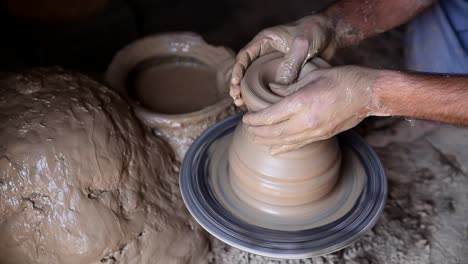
434 97
329 101
355 20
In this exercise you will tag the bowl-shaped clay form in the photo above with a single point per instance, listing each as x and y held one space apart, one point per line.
177 84
297 178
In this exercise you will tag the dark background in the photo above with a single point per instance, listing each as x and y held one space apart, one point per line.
84 35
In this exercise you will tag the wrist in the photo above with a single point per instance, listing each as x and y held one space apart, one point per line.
382 92
344 33
320 29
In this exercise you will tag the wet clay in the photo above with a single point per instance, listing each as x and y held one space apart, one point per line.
178 85
245 205
291 185
82 182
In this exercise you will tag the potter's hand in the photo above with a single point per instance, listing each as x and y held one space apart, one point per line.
300 41
325 102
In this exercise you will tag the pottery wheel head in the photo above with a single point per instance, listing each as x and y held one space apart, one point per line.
341 217
255 86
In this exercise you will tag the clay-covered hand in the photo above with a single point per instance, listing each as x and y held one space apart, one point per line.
300 41
322 104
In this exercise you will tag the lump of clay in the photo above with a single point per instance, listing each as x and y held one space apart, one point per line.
80 180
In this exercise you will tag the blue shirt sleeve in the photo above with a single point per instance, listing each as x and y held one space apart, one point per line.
437 40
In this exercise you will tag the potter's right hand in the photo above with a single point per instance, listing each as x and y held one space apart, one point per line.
322 104
300 41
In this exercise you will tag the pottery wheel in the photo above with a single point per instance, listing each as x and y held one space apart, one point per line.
203 181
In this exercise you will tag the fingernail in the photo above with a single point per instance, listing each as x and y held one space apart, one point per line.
282 79
274 151
235 80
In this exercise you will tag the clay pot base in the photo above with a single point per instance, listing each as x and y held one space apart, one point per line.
344 215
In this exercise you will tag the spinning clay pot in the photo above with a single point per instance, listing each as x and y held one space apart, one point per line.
278 184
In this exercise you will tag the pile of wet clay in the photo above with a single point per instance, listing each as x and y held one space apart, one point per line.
82 182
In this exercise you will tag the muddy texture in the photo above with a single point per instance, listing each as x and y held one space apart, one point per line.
82 182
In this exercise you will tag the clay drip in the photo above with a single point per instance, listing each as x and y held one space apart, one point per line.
274 184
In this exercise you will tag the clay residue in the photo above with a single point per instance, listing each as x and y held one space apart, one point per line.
82 182
177 87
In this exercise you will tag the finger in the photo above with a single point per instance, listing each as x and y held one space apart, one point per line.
238 69
239 102
253 50
282 89
285 90
293 61
283 129
276 150
305 136
274 114
288 140
234 91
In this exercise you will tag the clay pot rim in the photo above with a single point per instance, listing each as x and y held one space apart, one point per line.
170 44
260 97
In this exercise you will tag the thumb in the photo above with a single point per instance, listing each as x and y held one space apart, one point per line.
293 61
285 90
282 89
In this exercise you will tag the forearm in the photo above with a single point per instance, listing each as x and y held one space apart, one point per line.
355 20
424 96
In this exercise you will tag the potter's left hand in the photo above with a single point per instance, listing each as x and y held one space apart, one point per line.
321 105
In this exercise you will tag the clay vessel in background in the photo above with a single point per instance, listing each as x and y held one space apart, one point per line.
292 179
177 84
